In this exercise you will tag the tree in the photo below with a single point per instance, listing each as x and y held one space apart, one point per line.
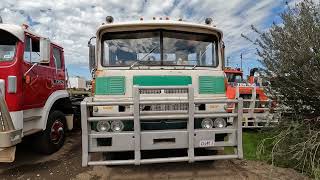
290 54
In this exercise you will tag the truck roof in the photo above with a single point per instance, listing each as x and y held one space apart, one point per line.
19 31
159 24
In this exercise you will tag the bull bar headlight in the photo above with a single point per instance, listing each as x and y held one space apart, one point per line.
207 123
219 123
103 126
117 126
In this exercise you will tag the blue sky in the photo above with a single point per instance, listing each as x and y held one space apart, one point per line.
72 22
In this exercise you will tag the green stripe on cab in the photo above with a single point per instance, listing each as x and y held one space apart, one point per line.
111 85
211 85
162 80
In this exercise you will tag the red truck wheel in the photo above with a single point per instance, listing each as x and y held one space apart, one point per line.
52 139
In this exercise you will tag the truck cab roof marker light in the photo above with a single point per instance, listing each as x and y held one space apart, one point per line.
109 19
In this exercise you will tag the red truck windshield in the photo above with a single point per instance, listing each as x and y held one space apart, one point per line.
8 44
7 52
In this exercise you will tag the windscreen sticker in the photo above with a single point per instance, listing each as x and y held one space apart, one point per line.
9 56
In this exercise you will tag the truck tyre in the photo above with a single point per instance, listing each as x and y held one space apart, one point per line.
52 138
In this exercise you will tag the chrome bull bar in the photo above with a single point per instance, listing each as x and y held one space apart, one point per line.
138 140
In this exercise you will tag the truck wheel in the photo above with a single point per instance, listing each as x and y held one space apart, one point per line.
52 139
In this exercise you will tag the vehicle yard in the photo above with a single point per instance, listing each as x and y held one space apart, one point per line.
156 98
66 164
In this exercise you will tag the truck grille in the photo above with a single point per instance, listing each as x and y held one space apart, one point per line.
164 107
163 91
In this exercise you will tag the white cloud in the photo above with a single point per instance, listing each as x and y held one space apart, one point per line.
72 22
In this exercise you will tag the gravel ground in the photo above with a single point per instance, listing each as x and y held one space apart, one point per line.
66 164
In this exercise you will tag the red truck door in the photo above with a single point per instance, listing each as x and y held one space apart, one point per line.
38 83
58 59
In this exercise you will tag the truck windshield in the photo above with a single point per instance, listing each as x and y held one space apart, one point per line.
234 78
7 52
7 46
155 48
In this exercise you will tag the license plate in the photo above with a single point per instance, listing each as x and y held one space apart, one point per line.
206 143
107 107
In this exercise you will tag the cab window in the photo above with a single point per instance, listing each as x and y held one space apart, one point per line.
32 50
57 57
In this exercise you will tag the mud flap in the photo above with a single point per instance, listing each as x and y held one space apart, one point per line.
7 154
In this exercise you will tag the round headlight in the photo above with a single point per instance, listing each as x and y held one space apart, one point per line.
117 126
207 123
219 123
103 126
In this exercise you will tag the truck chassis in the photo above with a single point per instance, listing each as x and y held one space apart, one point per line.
138 140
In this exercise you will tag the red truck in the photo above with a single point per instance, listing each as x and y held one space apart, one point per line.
256 103
33 96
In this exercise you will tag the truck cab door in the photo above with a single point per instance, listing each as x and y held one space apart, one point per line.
37 85
59 81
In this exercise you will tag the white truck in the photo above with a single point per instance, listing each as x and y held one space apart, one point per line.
159 86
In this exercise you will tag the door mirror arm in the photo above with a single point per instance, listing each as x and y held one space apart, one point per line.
27 72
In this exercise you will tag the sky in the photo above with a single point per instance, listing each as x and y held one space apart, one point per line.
71 23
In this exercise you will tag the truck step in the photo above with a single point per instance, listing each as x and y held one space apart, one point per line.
7 154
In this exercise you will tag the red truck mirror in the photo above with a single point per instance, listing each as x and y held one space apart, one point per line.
44 51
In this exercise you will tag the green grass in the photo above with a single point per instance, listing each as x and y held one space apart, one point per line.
251 140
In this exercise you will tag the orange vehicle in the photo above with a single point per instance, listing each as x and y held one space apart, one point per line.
256 103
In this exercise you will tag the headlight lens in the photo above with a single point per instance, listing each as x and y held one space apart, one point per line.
207 123
117 126
103 126
219 123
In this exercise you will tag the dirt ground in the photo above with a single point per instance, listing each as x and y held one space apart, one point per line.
66 164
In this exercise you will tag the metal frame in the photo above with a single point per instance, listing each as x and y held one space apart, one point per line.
9 136
138 140
252 118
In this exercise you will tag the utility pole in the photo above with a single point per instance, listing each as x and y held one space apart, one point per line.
228 61
241 61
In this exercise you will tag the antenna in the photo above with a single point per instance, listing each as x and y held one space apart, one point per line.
241 60
228 60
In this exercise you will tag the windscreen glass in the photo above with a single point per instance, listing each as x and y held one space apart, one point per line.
159 47
8 44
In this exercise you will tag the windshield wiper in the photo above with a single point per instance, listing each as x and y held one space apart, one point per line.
141 60
201 55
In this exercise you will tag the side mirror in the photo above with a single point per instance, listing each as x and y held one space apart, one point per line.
223 47
44 51
92 57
